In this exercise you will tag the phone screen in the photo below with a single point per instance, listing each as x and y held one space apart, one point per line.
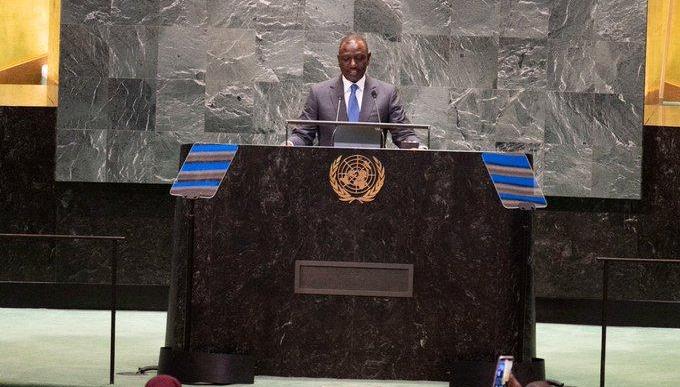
502 374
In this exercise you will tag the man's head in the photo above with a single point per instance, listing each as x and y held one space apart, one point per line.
353 57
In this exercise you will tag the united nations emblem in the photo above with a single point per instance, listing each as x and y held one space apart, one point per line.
356 177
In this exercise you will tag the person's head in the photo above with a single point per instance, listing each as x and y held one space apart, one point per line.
163 381
353 57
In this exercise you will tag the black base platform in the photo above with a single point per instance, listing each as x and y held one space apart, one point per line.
203 367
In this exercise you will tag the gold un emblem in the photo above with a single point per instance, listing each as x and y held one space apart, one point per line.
356 177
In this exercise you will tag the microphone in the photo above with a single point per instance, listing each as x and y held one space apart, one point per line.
374 94
383 133
337 116
337 113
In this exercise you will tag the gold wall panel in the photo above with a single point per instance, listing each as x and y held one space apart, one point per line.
662 68
29 35
24 31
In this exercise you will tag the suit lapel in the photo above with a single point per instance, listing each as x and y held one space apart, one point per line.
367 102
337 95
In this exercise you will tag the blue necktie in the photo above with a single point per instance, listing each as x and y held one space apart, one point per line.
353 109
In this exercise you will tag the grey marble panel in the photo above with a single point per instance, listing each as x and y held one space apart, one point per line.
469 111
127 12
83 51
519 116
597 120
430 106
252 138
524 19
474 17
232 13
232 59
616 172
620 69
474 62
571 19
133 51
83 103
85 11
280 14
132 104
521 147
425 60
182 52
329 15
149 157
452 144
165 148
130 158
385 59
275 103
565 123
183 12
522 64
620 120
567 170
380 16
571 66
81 155
229 109
426 17
321 56
281 52
620 20
180 105
489 116
598 66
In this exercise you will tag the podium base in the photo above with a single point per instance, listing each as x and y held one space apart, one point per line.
202 367
481 373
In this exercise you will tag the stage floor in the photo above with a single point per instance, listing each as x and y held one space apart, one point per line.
40 347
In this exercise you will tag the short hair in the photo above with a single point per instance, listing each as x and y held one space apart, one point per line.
353 36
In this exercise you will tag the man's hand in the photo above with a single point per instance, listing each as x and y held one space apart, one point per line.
512 382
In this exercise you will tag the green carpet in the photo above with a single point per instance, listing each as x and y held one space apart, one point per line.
40 347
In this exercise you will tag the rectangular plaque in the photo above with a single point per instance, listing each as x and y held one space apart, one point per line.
354 278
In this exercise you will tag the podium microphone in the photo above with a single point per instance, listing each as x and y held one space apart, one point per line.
383 132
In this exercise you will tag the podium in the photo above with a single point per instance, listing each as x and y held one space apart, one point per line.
301 267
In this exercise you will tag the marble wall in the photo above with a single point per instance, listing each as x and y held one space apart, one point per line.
562 79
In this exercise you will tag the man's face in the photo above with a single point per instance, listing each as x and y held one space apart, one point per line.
353 58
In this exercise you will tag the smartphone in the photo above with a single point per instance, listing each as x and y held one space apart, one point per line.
503 368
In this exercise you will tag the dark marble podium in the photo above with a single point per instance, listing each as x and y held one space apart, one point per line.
472 276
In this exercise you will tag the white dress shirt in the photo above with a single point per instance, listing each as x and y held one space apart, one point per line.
360 91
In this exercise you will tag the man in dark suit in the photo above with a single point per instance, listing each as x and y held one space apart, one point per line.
352 96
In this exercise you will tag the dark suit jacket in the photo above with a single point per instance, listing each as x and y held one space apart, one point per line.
322 104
